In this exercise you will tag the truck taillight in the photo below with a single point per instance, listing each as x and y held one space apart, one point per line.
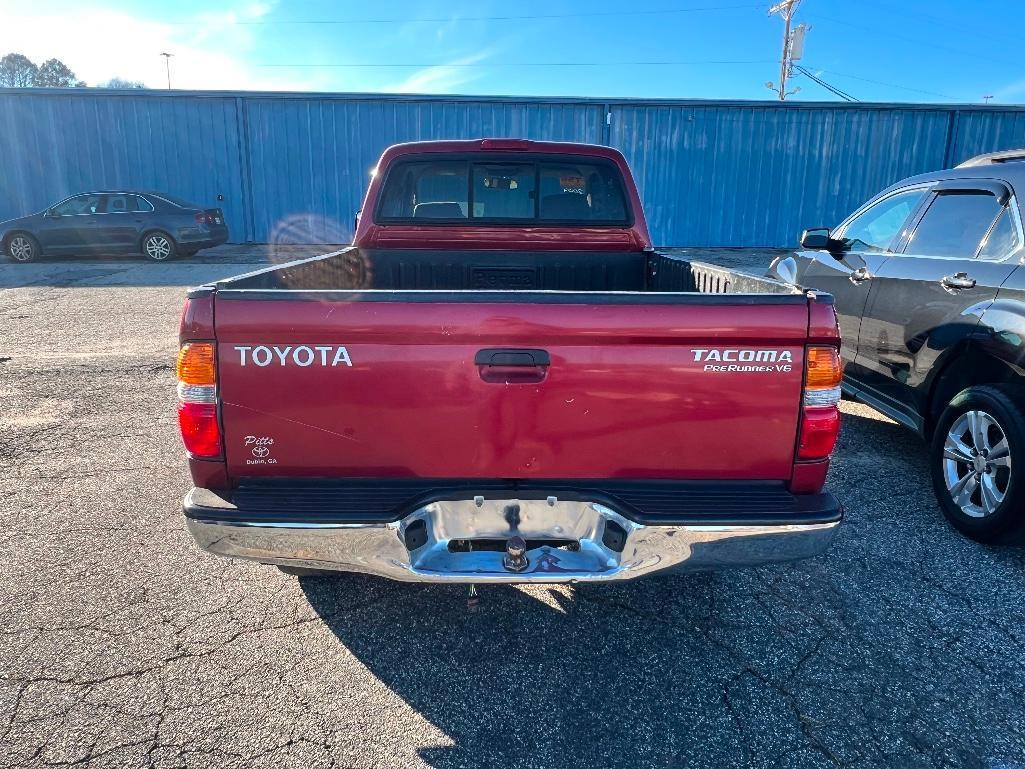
820 412
196 368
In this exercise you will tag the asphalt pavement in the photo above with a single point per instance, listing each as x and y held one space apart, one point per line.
122 645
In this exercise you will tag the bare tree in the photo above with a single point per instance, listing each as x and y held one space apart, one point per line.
17 71
118 82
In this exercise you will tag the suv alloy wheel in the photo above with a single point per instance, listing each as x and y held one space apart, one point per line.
977 460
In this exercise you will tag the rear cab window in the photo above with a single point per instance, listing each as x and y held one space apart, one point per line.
492 189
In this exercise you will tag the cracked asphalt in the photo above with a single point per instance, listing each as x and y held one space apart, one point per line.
122 645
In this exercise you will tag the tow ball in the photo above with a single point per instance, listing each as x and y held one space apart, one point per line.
515 554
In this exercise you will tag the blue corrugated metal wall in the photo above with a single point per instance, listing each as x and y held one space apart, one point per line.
294 167
53 145
311 158
756 175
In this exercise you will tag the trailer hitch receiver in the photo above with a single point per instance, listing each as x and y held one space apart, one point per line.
515 554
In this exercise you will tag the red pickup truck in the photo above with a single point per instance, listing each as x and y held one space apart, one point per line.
502 381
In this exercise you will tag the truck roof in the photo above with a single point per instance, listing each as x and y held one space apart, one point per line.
501 145
628 234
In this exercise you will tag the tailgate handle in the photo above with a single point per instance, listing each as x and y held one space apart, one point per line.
503 356
501 365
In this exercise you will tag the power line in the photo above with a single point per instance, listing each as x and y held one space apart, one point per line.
942 22
916 41
449 19
347 65
893 85
831 88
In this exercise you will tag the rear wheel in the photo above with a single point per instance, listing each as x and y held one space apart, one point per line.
977 461
159 246
22 247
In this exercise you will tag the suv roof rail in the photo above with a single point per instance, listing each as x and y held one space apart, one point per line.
989 158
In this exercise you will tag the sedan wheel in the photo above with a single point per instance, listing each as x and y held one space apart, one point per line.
21 248
158 247
977 463
977 442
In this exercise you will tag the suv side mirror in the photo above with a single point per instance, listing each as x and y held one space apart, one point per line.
53 213
818 239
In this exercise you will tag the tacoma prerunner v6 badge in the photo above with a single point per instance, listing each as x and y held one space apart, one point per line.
769 361
537 394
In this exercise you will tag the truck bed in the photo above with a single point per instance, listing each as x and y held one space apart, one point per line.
355 269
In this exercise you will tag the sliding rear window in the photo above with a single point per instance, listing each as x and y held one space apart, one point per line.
486 189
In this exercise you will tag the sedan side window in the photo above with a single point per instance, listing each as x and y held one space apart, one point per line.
955 224
875 228
120 204
81 204
141 204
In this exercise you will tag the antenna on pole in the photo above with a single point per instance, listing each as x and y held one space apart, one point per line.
793 46
167 62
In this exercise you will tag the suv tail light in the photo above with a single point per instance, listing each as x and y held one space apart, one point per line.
204 219
820 414
197 399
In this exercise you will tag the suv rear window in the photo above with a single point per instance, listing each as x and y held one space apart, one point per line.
955 224
489 189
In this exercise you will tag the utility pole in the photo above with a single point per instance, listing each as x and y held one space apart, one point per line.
987 98
167 62
793 42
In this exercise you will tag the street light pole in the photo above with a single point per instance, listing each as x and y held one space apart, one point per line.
167 62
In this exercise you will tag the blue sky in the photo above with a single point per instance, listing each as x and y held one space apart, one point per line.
876 50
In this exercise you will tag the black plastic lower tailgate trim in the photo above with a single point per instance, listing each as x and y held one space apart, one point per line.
383 500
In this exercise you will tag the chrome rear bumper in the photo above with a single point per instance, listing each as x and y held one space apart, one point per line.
436 551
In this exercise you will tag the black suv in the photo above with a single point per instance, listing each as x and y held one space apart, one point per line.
929 281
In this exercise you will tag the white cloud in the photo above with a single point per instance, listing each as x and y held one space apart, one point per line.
1012 92
441 78
97 45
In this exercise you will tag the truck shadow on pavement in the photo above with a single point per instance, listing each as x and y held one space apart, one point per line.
581 676
816 663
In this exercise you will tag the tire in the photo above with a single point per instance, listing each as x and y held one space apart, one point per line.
298 571
22 247
158 246
977 462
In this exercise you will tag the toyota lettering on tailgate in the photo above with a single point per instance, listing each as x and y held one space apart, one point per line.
326 355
